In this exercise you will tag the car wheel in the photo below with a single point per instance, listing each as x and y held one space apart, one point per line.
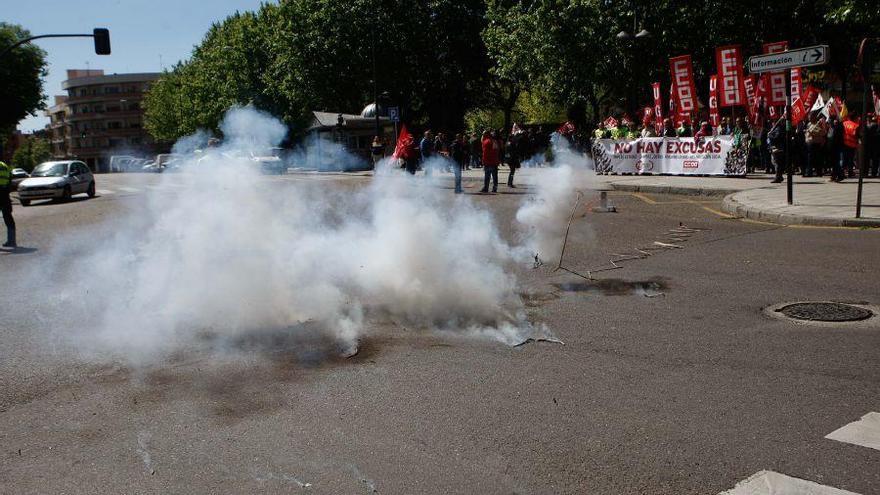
67 194
25 202
91 191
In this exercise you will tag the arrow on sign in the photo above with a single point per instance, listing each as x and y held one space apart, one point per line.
817 54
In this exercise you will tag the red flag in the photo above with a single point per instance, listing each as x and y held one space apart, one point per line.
713 101
404 147
751 98
776 80
682 73
567 129
728 59
609 123
798 111
809 96
795 84
658 106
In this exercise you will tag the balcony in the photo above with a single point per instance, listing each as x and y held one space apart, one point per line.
104 97
103 115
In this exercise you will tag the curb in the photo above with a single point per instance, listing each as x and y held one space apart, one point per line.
679 190
734 207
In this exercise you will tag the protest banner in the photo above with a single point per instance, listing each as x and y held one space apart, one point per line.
715 155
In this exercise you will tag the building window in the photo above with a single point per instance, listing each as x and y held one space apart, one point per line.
134 125
135 140
111 90
113 108
116 142
114 124
83 92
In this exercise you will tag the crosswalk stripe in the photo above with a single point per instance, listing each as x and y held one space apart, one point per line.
864 432
772 483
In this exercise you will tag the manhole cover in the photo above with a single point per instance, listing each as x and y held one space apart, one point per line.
825 311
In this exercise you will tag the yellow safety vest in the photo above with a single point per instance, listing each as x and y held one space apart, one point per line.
5 175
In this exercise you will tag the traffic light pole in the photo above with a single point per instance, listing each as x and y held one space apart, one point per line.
101 35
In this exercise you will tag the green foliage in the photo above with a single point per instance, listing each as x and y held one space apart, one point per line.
302 55
31 153
21 73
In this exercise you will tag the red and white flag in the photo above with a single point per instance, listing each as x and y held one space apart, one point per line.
776 80
714 120
728 59
610 123
658 106
682 73
809 97
795 84
751 98
798 111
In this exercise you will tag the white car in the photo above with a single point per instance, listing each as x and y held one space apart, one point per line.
57 180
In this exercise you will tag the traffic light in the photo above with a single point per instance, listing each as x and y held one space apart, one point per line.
102 41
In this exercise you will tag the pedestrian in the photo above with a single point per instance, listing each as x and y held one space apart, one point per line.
458 152
776 140
684 129
850 143
704 132
426 150
648 130
476 151
835 149
872 145
491 153
6 203
377 150
815 137
668 129
724 129
514 152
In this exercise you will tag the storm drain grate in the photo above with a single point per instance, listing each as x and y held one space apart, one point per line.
825 311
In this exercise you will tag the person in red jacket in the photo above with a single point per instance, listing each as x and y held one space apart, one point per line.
850 144
491 159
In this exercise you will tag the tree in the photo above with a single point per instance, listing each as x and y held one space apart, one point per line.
31 153
301 55
21 73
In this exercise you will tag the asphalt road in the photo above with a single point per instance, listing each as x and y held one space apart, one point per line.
688 391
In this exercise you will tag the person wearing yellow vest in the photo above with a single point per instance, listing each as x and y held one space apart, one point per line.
6 203
850 144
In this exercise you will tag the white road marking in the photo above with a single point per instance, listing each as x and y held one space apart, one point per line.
864 432
104 192
128 189
772 483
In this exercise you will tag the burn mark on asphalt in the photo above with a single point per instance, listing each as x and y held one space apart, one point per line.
616 287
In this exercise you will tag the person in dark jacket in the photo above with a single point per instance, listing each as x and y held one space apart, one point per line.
776 140
668 129
458 153
426 149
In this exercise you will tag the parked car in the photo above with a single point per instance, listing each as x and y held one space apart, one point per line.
18 175
57 180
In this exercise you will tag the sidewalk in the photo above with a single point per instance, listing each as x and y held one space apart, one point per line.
816 200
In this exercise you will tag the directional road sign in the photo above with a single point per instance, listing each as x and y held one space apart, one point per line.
801 57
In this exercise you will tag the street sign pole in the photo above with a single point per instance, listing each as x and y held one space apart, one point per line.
789 187
785 61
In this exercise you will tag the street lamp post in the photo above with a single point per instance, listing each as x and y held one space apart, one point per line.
626 37
101 36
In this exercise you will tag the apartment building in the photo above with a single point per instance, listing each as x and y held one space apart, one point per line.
101 116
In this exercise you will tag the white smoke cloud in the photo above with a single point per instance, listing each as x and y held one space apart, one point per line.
544 217
230 255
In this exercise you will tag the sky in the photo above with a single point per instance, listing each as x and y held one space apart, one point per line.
141 32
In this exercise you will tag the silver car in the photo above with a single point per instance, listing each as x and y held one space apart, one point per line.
57 180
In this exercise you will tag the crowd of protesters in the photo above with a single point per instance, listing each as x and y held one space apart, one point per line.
445 153
820 145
